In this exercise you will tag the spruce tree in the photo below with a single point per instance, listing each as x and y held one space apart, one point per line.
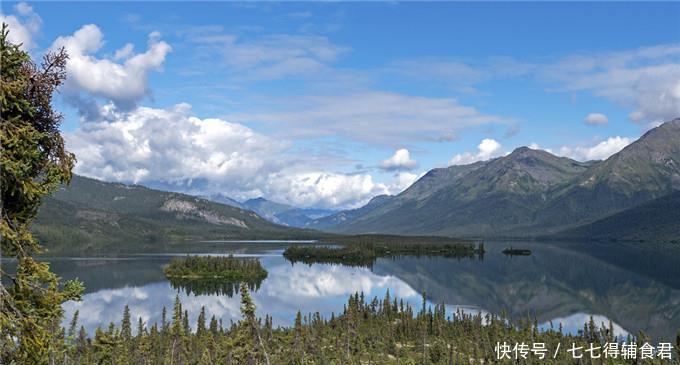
33 163
126 325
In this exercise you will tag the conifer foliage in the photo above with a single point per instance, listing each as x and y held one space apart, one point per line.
368 331
33 162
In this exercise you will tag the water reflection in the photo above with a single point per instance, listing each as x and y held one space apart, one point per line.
287 289
638 288
211 287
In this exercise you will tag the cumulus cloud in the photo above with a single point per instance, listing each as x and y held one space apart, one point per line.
378 118
327 190
172 149
123 83
596 118
599 151
169 145
403 180
401 160
646 79
488 148
23 26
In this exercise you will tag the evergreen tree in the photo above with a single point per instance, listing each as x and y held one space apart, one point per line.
33 162
126 326
200 323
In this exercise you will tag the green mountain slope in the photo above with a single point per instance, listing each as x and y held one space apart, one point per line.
646 169
473 199
657 220
526 193
91 215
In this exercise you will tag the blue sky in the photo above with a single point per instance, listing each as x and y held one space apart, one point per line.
329 104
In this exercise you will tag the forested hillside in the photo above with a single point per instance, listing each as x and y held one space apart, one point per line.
94 216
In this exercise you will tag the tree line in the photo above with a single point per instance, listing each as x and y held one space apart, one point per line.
367 331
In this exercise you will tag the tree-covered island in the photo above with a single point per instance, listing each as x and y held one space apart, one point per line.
215 267
363 250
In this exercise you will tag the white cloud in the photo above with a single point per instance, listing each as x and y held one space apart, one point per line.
23 27
596 118
377 118
122 83
646 79
331 190
488 148
268 57
323 189
600 151
457 74
402 181
171 146
171 149
401 160
124 52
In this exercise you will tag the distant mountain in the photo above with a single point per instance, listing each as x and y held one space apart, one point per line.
222 199
112 217
332 220
526 193
278 213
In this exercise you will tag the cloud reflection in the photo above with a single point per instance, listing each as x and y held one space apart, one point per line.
288 288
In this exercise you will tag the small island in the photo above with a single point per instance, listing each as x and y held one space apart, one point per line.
364 250
516 251
226 268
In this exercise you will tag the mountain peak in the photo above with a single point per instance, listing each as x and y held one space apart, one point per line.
524 151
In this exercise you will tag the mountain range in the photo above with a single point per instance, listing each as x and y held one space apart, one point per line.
634 195
530 193
274 212
113 217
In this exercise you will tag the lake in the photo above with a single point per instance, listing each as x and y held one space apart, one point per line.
637 287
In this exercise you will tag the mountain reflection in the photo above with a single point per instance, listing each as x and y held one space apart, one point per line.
564 284
287 289
559 283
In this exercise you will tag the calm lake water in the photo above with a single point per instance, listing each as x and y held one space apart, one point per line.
638 288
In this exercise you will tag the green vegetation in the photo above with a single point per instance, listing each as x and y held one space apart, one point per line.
654 221
221 275
33 163
109 218
213 287
363 250
377 331
215 267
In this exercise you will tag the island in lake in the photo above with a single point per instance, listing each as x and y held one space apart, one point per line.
364 250
227 268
